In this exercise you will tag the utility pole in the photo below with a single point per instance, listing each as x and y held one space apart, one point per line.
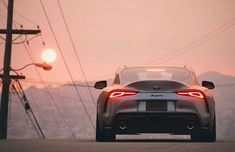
6 77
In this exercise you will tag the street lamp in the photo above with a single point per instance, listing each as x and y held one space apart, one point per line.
5 95
6 77
45 66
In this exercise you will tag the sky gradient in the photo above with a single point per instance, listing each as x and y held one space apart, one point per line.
110 33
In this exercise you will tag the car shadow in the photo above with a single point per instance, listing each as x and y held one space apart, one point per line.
154 140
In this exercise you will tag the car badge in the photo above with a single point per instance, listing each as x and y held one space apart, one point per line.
156 87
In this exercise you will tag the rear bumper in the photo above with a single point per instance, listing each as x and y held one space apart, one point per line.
176 123
145 114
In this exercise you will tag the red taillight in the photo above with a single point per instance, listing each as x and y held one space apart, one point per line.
192 93
121 93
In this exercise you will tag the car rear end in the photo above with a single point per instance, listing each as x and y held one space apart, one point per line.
170 110
156 100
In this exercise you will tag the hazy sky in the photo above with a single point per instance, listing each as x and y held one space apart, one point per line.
110 33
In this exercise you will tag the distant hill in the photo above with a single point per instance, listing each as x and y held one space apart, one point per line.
72 119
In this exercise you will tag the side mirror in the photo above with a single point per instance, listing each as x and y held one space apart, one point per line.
100 84
208 84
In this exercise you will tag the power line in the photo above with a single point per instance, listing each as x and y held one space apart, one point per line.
63 58
3 15
20 37
6 72
27 113
39 75
48 92
193 44
28 109
51 97
32 98
25 18
28 50
75 50
22 16
196 43
26 39
34 81
61 95
22 40
27 80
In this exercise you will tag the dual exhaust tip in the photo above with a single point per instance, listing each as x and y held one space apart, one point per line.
190 125
123 126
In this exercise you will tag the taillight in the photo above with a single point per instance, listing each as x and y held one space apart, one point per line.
121 93
192 93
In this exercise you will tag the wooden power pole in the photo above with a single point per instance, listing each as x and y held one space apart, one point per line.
6 77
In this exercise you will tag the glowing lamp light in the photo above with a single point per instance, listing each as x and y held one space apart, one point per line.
155 70
48 56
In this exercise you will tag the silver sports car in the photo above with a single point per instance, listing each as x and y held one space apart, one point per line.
155 100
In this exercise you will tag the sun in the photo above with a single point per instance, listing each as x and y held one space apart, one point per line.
48 56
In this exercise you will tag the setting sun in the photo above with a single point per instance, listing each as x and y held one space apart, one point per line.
48 56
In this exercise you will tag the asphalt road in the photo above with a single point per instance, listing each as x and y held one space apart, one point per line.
69 145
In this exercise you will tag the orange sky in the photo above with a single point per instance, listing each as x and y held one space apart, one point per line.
109 33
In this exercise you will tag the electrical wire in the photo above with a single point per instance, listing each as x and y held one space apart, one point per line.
21 15
23 41
27 80
36 126
2 38
222 28
17 37
6 17
30 109
30 80
31 96
34 81
196 43
193 44
13 39
65 63
69 97
75 50
24 17
20 42
48 92
25 103
28 53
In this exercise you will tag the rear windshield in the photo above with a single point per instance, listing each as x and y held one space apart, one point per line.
141 74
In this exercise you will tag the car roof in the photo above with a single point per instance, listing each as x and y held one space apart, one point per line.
121 68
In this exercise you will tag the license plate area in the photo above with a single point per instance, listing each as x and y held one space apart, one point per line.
156 105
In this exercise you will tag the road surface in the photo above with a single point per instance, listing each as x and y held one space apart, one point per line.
70 145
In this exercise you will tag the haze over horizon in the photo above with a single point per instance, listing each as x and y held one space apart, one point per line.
61 114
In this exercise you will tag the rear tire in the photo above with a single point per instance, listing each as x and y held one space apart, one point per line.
206 136
102 135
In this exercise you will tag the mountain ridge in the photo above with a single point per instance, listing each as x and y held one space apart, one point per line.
46 101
